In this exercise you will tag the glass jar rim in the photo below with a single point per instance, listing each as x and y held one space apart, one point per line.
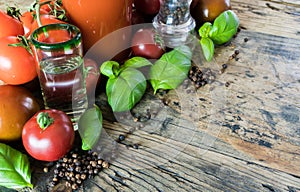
59 45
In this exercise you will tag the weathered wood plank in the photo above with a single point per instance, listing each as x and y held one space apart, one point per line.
240 137
270 17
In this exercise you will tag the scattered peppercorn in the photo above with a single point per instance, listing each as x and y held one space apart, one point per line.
76 167
135 146
121 137
199 78
46 169
227 84
246 39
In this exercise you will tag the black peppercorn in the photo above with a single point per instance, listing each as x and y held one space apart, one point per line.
135 146
78 169
121 137
105 164
74 186
83 176
93 163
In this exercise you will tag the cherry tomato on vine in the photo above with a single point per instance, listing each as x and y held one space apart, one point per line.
145 44
45 20
27 19
17 65
17 106
48 135
10 26
148 7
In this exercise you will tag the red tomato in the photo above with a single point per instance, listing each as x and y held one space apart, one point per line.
10 26
27 20
148 7
48 135
145 45
92 76
45 20
17 65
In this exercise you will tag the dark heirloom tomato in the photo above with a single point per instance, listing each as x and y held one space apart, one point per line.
17 105
144 44
48 135
207 10
148 7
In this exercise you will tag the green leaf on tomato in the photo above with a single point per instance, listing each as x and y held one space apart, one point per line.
90 127
171 69
224 27
14 171
125 91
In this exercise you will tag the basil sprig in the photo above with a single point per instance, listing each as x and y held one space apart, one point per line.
126 85
14 170
90 127
223 29
171 69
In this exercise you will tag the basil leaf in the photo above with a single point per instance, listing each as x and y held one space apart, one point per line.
136 62
205 29
224 27
14 171
208 47
171 69
89 127
126 90
110 69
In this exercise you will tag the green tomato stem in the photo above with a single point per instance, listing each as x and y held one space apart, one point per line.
44 120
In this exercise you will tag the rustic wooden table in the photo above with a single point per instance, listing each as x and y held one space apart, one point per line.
239 133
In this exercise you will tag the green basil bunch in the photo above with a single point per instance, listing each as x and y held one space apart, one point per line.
126 84
221 31
15 168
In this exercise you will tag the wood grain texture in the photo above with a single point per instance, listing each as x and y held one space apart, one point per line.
239 133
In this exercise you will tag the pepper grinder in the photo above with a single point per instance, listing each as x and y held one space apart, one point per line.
174 22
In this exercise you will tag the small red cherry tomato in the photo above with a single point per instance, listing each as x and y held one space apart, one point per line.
48 135
145 44
45 20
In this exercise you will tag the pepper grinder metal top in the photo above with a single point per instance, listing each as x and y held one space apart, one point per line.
174 22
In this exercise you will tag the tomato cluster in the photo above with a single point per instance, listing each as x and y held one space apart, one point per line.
18 106
20 110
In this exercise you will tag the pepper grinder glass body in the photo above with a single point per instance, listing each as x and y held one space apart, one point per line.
174 22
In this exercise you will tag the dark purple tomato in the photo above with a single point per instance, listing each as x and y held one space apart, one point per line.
148 7
145 44
208 10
